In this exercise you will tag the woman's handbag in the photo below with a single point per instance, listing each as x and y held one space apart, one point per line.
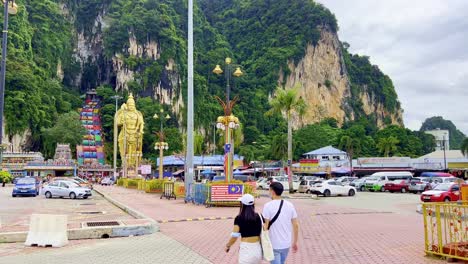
265 241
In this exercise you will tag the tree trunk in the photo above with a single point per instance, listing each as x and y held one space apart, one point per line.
290 179
3 184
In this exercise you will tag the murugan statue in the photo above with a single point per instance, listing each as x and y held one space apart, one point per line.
130 122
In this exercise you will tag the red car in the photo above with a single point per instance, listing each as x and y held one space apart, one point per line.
444 192
397 186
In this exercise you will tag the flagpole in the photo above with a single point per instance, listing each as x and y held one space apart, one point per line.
189 154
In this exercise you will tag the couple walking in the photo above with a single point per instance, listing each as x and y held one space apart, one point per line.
279 220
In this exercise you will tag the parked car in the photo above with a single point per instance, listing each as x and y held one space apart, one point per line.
420 184
305 186
65 189
83 182
308 178
285 183
379 179
332 188
107 181
397 186
444 192
359 184
439 180
263 184
77 180
346 179
25 186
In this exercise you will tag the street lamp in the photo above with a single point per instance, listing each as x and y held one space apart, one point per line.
10 7
445 157
116 97
228 122
161 145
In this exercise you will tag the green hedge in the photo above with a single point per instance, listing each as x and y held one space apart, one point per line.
120 182
154 186
132 183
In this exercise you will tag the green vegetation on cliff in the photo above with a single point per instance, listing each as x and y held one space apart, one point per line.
39 40
437 122
261 35
366 78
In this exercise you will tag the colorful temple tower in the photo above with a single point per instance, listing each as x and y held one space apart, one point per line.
91 150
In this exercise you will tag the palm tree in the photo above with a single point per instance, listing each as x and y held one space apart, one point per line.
388 145
288 103
351 146
464 147
279 147
198 143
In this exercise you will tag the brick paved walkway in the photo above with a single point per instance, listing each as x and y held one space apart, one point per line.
155 248
333 230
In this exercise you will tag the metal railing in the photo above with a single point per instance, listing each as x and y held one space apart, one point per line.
446 229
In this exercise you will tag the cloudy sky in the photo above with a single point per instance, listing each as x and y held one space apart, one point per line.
421 44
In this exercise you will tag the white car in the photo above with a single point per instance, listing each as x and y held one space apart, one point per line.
333 188
263 184
439 180
284 181
65 189
107 181
346 179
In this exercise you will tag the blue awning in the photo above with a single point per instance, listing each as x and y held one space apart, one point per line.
208 172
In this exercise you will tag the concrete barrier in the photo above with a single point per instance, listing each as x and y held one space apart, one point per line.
91 232
47 230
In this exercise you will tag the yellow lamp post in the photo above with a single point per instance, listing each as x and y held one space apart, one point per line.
228 122
161 145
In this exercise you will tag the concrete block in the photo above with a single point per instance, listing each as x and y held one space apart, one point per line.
47 230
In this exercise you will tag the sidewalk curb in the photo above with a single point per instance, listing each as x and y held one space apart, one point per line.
88 233
129 210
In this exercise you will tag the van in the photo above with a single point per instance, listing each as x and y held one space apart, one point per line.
377 181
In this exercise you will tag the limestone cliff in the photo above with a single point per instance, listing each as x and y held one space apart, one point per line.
97 69
325 85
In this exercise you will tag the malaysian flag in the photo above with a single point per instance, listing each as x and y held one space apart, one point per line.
230 192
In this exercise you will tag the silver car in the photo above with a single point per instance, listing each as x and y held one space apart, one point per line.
420 184
359 184
65 189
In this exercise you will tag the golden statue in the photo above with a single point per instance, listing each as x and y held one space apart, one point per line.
131 133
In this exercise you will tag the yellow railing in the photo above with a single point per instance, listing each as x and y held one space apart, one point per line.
446 229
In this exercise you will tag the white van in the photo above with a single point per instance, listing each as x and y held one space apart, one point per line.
377 180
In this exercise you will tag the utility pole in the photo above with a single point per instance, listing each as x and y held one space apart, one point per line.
189 154
116 97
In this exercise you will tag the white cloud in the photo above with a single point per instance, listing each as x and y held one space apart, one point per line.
420 44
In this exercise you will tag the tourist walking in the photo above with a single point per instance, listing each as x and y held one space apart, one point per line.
281 221
247 226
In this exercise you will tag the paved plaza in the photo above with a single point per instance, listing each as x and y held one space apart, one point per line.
15 211
154 248
367 228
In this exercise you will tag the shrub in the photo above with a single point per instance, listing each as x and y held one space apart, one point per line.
120 182
132 183
155 185
5 177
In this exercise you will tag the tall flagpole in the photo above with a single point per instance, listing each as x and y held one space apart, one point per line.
189 154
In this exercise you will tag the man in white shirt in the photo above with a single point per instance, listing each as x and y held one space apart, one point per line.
281 218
